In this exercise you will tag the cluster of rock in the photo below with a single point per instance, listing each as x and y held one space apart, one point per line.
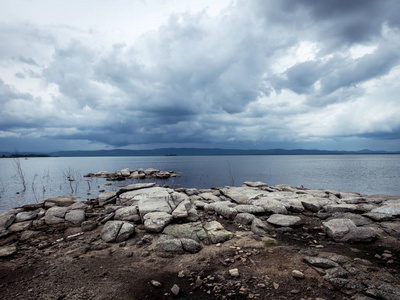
133 174
178 219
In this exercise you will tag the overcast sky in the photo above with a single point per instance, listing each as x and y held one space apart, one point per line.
100 74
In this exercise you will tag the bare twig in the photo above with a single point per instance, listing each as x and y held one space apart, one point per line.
34 187
230 174
18 169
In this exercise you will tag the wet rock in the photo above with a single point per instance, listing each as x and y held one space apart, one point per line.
156 221
344 230
242 195
284 220
8 251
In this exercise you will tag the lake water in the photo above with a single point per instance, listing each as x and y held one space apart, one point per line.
47 177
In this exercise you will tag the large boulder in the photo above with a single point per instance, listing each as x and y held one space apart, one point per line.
75 217
194 231
344 230
169 244
55 215
129 213
216 232
156 221
223 208
117 231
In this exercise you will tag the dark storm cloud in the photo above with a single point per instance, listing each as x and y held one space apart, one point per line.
261 71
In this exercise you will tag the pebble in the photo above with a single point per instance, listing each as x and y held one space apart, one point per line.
156 283
276 285
298 274
181 274
175 289
234 272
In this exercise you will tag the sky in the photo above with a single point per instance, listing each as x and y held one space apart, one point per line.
244 74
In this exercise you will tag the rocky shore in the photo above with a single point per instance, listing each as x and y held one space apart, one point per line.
250 242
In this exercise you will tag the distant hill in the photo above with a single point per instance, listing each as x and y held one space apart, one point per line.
209 151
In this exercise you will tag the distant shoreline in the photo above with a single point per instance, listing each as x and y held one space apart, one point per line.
189 152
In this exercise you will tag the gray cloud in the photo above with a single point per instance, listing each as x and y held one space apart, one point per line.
243 76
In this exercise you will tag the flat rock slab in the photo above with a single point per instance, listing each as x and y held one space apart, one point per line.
106 198
25 216
242 195
194 231
60 201
392 209
284 220
136 186
6 219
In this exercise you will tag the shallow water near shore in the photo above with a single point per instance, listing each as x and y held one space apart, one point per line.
47 177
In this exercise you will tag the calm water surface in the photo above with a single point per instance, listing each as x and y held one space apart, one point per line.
47 177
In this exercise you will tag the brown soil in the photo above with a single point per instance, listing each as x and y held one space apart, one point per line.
73 269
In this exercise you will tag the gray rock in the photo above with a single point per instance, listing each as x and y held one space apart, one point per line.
181 210
110 231
136 186
341 208
60 201
129 213
55 215
194 231
21 226
311 204
251 209
259 227
242 195
270 205
75 217
344 230
210 197
156 284
156 221
384 291
283 220
166 243
175 290
391 209
79 205
190 245
223 208
357 219
8 251
126 231
125 172
216 232
117 231
106 198
153 199
244 218
6 219
378 217
255 184
25 216
320 262
88 225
